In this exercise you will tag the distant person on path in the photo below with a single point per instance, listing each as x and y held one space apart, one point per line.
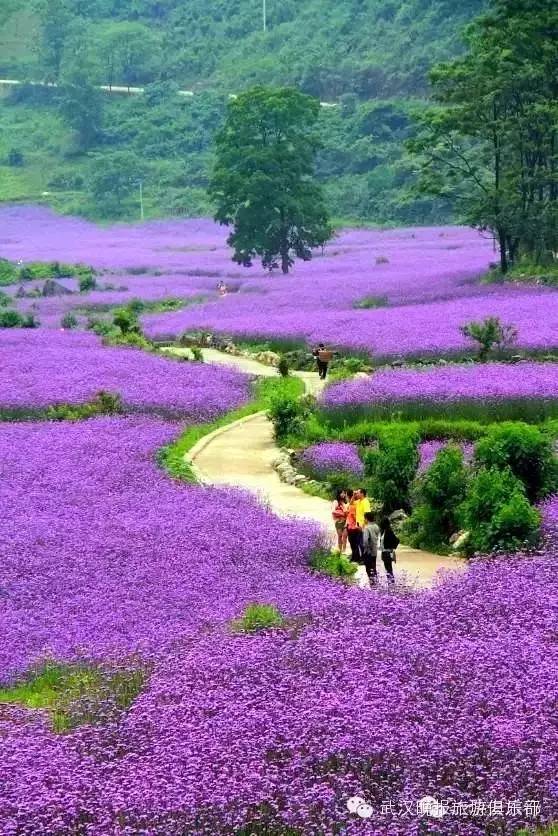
370 540
323 358
354 531
389 542
222 288
339 513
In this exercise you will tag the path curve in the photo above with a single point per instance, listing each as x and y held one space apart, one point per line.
248 448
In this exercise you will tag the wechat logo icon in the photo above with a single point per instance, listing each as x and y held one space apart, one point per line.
360 807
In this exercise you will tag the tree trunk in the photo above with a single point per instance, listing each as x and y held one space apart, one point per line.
502 243
284 251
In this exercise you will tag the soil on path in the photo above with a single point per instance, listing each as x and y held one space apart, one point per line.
242 455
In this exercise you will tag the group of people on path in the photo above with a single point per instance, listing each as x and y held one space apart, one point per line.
355 524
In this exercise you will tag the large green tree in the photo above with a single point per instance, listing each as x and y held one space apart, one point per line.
263 183
491 141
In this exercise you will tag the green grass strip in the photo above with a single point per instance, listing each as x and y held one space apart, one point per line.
266 389
75 694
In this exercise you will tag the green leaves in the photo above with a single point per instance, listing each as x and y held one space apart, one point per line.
263 180
491 143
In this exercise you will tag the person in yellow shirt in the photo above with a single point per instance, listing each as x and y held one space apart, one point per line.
362 507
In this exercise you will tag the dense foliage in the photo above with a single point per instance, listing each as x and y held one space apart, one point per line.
263 183
370 58
491 139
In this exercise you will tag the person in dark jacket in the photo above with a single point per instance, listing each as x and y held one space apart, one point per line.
323 358
389 543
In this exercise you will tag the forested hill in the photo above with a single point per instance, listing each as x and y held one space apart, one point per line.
370 56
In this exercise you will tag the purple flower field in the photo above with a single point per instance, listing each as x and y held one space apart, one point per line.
493 382
425 279
41 368
112 551
332 457
230 729
387 695
415 330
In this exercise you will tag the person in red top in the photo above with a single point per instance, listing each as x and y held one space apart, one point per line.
339 514
354 531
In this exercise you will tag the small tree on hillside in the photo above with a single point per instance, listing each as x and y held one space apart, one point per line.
263 183
81 104
113 178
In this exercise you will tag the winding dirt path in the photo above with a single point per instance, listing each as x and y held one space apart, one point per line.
242 454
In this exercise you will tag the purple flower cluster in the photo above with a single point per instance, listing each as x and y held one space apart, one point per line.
492 382
457 686
40 368
428 451
322 460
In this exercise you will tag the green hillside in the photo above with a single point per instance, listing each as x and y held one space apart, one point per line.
369 57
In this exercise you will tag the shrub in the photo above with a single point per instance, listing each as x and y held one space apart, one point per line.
26 274
498 514
29 321
393 466
5 300
15 158
8 272
69 321
333 564
283 367
99 326
126 320
440 493
257 617
104 403
136 340
288 414
433 429
107 403
490 334
13 319
371 302
197 354
10 319
527 452
87 282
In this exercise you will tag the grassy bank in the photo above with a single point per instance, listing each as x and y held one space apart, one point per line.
266 390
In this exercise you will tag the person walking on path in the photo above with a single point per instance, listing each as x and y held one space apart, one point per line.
323 358
370 540
354 530
389 543
339 512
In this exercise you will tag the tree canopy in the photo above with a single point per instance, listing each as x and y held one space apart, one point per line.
263 183
491 141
